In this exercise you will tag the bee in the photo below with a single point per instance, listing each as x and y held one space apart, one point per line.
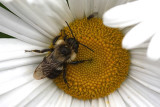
63 53
92 15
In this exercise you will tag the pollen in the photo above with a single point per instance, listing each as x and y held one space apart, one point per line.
109 65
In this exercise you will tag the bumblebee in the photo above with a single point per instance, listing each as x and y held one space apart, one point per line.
63 53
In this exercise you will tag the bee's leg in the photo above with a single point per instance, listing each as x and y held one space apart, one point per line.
40 51
92 15
64 75
81 61
55 39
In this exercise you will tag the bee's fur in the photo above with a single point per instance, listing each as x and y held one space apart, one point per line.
56 53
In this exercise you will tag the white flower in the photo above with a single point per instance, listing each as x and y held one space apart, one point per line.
34 25
143 14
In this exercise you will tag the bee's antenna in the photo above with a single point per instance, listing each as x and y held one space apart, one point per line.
87 47
70 29
75 38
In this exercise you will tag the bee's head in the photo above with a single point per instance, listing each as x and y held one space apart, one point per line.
73 43
64 50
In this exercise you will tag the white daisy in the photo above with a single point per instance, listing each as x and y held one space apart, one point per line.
35 23
145 18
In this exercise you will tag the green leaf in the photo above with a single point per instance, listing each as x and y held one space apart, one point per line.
2 35
1 5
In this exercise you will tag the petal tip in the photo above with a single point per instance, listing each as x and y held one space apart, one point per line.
153 56
127 45
105 19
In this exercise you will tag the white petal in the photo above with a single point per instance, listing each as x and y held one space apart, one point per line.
60 100
150 97
10 45
22 37
100 4
112 3
13 78
88 7
94 103
126 29
101 102
81 103
87 103
143 71
76 103
153 48
46 11
123 15
16 54
57 11
35 94
19 27
139 34
126 97
13 49
149 81
68 100
55 97
136 97
5 0
111 101
35 17
96 5
20 62
77 8
22 16
142 62
21 93
116 100
64 101
138 51
107 101
44 96
13 74
61 8
141 46
54 13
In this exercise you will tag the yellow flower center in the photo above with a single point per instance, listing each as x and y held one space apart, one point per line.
110 64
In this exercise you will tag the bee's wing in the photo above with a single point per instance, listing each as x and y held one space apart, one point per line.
38 74
45 68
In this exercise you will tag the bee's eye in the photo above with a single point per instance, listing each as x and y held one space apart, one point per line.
75 46
65 50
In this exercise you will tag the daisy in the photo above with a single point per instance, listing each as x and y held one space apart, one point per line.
142 16
35 23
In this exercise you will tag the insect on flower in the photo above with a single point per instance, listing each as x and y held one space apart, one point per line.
63 53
